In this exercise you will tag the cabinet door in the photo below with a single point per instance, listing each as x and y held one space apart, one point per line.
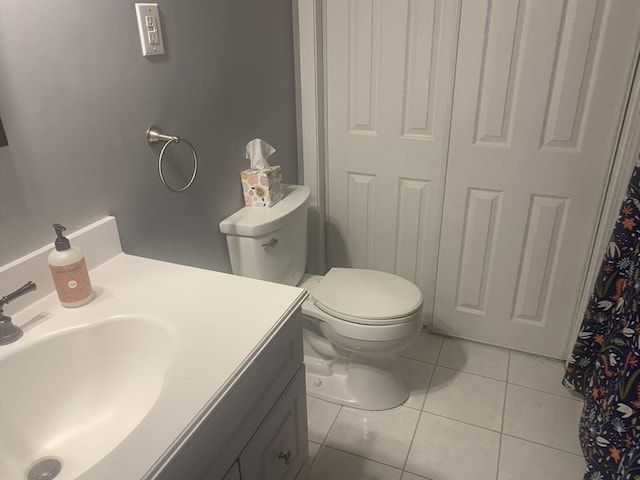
279 447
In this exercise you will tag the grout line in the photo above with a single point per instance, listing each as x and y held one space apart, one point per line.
504 404
579 400
419 409
471 373
544 445
366 458
440 350
415 429
435 362
322 447
324 439
416 360
332 424
504 408
462 421
421 477
427 387
316 455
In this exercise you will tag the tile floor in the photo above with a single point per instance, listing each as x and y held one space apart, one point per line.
475 413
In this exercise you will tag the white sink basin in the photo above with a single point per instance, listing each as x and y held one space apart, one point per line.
76 394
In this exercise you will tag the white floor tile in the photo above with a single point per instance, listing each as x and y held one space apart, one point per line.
320 417
466 397
444 449
543 418
522 460
383 436
418 375
313 451
538 372
425 349
475 358
333 464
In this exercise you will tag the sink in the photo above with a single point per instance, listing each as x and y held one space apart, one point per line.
76 394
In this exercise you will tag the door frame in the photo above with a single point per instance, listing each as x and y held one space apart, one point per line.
625 155
308 27
308 39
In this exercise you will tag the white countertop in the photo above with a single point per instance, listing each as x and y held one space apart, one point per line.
219 323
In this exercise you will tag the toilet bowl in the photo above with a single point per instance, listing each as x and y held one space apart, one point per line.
356 321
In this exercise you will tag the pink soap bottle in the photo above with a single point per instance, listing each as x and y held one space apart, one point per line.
69 272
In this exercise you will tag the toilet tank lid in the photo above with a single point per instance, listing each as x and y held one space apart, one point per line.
256 221
366 294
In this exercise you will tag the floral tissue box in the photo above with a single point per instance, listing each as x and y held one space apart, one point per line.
262 188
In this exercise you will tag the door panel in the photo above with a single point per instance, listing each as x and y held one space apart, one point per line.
540 89
389 71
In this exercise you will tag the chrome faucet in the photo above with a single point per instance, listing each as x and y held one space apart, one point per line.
9 333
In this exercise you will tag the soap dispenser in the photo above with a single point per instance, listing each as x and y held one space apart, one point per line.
69 272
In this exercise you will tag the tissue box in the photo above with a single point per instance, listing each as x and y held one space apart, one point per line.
262 188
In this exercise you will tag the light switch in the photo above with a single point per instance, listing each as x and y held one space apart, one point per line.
149 28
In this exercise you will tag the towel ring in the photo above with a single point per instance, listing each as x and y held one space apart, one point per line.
155 135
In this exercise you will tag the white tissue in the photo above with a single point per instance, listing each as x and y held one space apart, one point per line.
257 152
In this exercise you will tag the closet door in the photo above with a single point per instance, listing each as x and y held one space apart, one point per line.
389 69
539 92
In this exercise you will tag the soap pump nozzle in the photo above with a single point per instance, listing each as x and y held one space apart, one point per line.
62 242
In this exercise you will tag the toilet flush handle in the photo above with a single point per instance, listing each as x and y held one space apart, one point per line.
271 243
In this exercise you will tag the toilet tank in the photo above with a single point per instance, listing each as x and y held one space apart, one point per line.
270 243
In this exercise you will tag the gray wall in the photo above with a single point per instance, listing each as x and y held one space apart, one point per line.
76 98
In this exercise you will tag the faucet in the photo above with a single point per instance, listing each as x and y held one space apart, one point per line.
9 333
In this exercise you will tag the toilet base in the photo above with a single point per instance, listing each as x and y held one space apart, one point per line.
367 383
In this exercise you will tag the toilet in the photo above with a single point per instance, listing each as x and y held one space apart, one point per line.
356 322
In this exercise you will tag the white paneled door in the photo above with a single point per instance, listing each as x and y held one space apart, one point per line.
389 80
540 90
526 139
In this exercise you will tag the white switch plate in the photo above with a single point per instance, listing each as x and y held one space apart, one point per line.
149 28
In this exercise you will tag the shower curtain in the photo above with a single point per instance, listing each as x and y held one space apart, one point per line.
605 364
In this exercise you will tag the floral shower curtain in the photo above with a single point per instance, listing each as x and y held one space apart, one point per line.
605 364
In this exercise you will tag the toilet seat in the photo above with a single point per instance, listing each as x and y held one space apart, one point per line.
407 327
367 297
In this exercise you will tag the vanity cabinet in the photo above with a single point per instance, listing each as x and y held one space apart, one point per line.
205 379
258 428
278 448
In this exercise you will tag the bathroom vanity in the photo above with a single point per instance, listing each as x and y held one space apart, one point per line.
260 425
170 372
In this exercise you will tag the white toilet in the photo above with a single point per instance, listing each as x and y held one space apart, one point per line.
355 321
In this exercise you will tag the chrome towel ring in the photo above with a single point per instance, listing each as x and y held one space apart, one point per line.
155 135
